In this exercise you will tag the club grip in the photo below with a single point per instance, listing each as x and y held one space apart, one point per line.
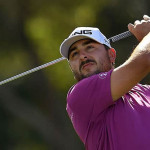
120 36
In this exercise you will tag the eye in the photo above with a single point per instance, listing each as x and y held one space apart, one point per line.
75 53
90 47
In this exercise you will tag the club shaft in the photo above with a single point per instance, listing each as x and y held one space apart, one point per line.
112 39
32 70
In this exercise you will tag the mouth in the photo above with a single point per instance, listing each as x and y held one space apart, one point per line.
87 65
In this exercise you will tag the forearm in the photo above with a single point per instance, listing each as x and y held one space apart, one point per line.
141 54
126 76
131 72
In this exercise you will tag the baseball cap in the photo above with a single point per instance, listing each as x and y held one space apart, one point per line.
82 33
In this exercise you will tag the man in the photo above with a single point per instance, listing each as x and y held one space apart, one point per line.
108 108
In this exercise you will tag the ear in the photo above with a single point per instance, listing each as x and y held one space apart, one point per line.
112 55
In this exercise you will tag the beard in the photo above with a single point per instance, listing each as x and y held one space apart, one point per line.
103 67
80 76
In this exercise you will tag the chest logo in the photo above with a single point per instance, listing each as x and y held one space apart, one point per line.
102 75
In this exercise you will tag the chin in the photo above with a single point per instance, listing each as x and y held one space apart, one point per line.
92 73
81 76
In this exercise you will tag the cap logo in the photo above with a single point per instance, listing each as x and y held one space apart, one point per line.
83 32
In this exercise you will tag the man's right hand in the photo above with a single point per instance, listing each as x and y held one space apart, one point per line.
140 28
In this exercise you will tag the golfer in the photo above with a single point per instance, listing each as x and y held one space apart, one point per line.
108 107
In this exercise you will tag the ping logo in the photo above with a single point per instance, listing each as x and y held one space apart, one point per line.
82 32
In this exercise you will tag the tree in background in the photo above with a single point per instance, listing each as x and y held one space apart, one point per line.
32 109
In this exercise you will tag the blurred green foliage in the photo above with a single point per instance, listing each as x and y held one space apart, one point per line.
32 108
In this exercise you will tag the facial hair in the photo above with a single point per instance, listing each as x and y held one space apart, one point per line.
79 75
103 68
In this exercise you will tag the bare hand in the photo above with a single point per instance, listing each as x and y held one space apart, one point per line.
140 28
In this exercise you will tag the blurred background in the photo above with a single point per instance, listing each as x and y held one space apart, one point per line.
33 108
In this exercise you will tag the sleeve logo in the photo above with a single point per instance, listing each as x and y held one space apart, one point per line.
102 75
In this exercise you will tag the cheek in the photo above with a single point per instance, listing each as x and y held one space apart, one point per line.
74 66
104 60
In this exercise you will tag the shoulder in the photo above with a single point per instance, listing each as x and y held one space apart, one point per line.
91 82
91 96
91 89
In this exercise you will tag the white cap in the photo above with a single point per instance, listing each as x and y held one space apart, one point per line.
82 33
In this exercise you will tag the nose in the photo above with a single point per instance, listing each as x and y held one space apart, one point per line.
83 56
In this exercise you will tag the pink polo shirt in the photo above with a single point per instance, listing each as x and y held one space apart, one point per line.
103 124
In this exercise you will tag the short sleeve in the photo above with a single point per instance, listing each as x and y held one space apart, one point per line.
88 98
91 95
